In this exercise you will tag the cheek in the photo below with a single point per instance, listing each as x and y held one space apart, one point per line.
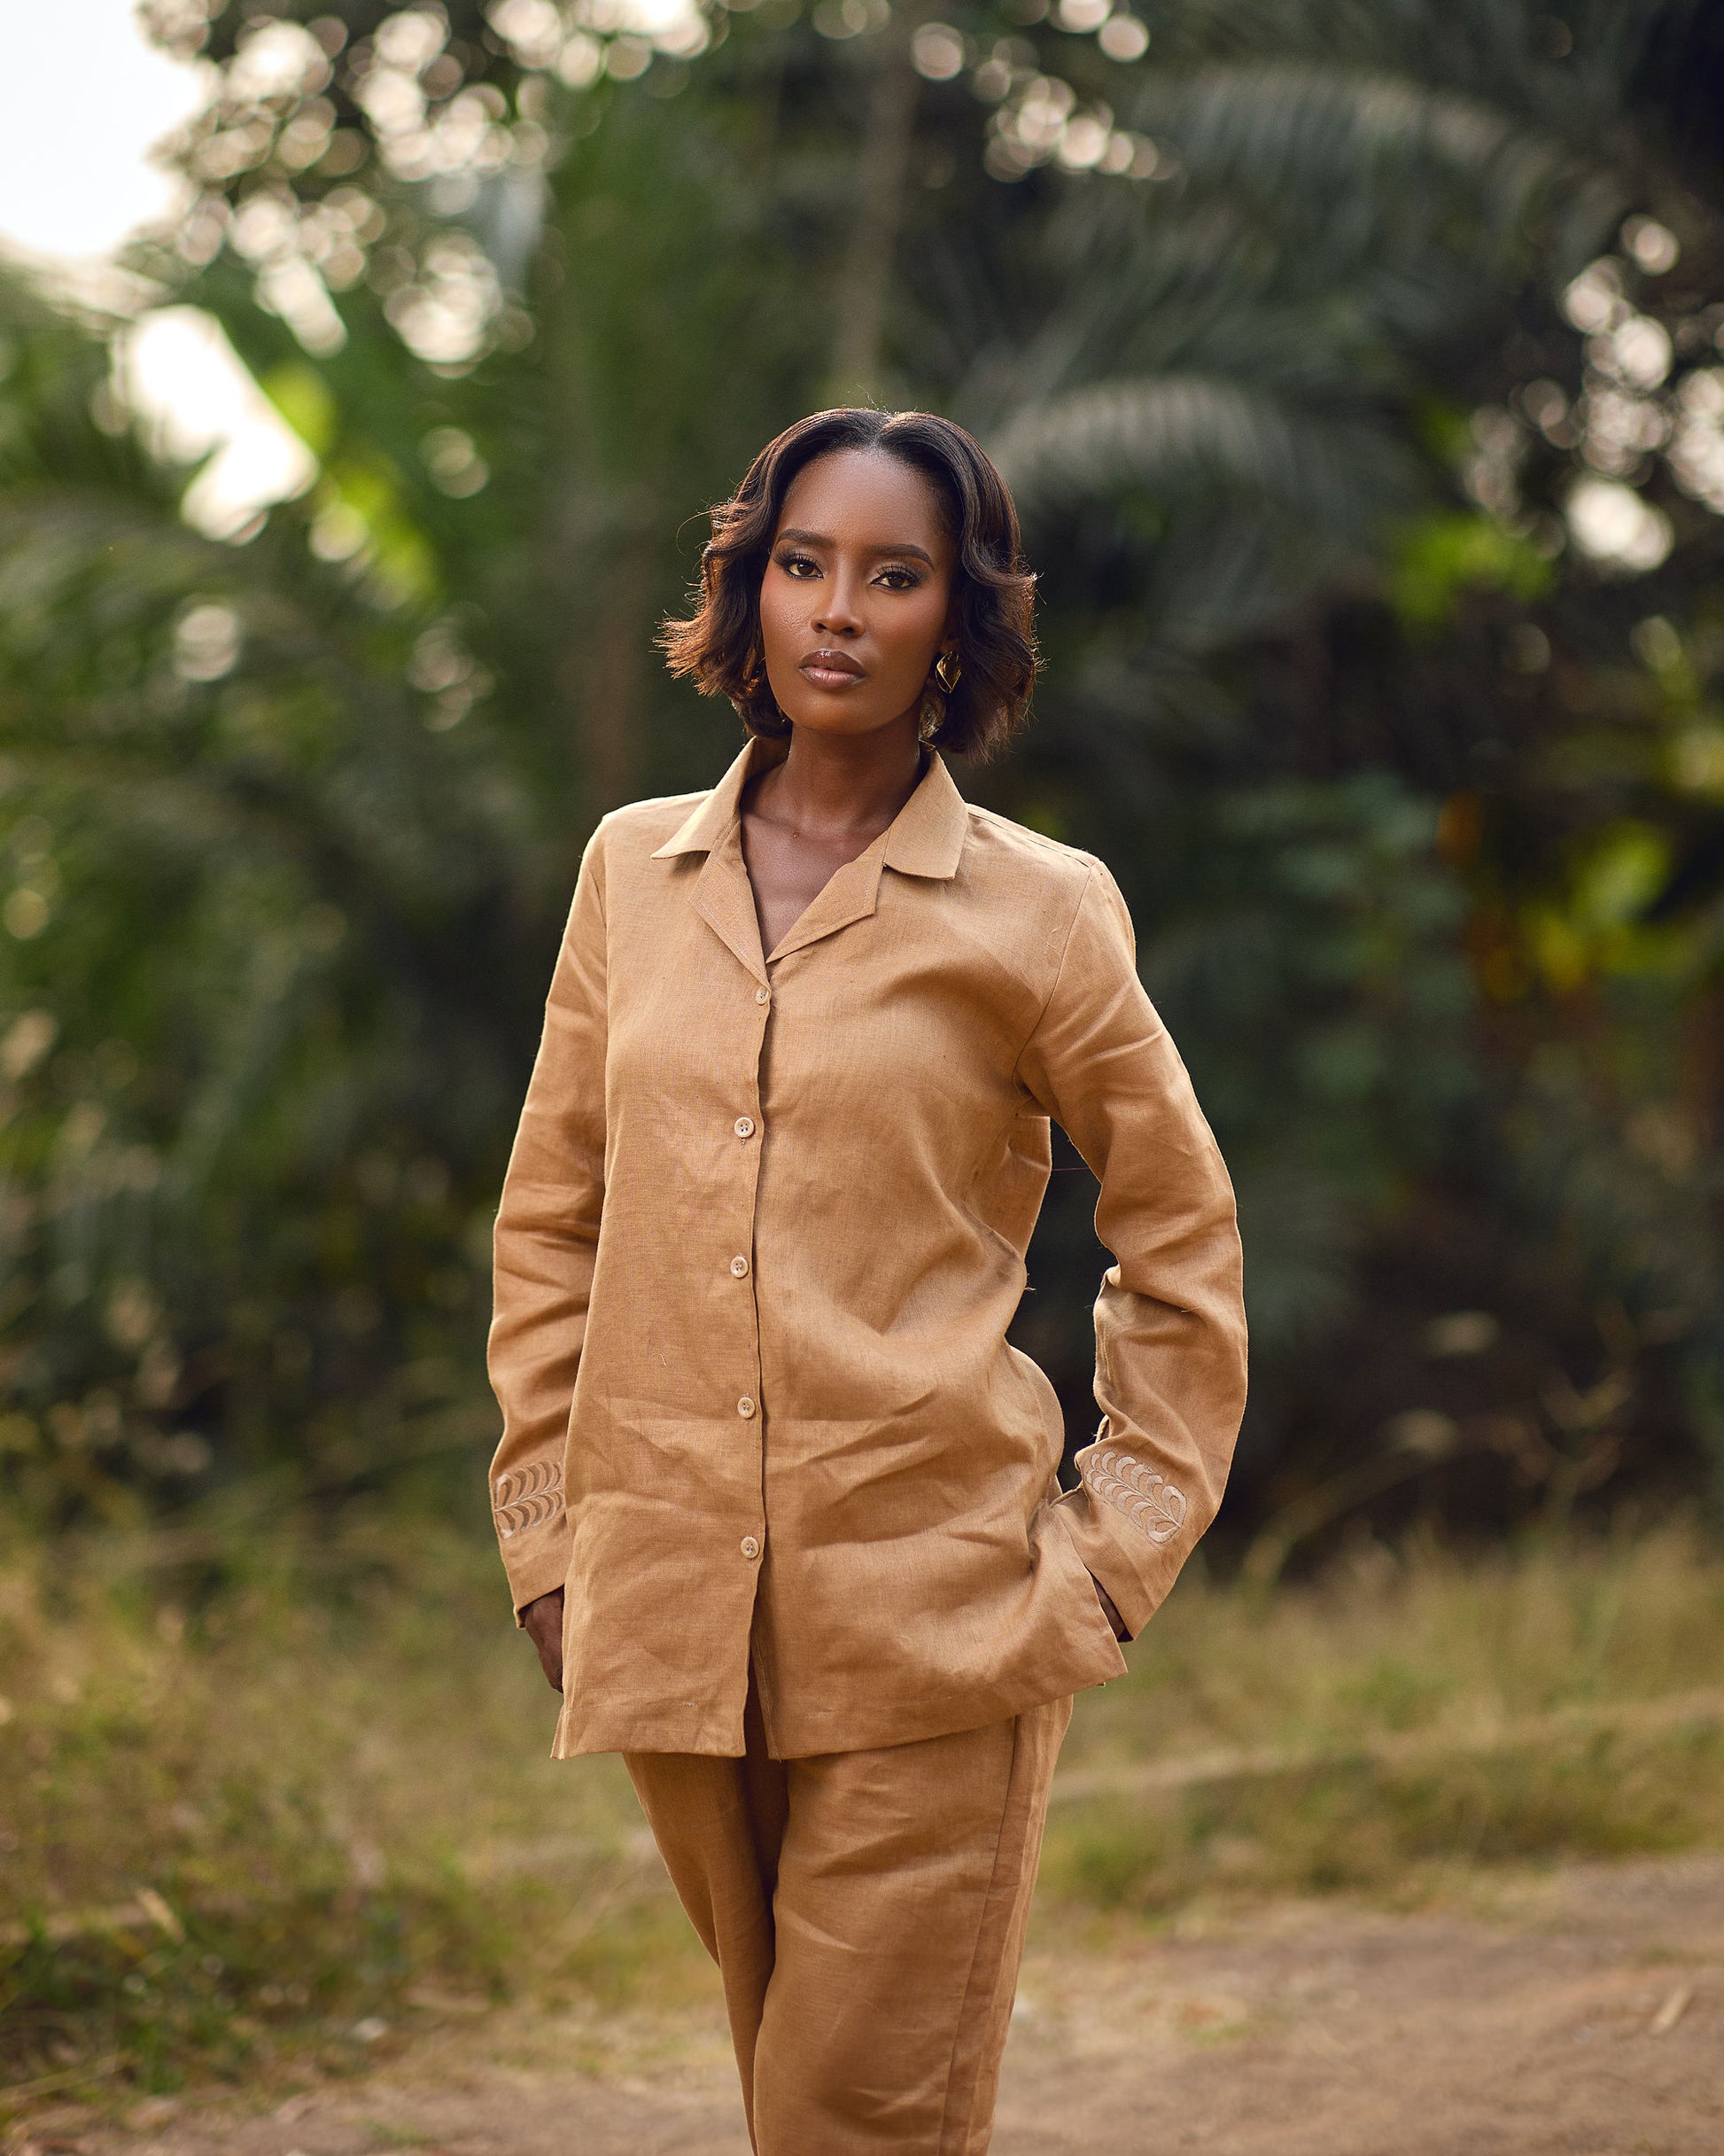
780 617
910 632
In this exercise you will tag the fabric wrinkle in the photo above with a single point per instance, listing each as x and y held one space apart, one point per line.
756 1261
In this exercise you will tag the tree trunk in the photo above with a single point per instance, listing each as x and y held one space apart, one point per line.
883 176
609 693
596 564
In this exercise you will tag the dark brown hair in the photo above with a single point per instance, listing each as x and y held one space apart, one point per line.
719 648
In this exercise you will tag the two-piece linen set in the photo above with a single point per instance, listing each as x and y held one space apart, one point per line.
762 1235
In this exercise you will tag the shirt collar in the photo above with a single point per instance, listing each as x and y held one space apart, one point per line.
708 824
925 838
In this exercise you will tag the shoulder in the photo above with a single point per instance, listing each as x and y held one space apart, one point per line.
1026 864
641 826
1022 896
1063 900
616 858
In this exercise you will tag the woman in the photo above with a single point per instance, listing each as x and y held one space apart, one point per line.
776 1501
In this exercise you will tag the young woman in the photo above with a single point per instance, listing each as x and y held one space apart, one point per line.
776 1501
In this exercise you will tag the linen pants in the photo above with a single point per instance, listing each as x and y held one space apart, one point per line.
867 1911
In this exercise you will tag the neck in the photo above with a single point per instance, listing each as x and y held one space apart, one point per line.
832 785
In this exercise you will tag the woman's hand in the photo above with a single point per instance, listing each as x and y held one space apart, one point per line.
1102 1596
542 1623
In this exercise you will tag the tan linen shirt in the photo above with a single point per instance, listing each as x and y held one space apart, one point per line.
762 1235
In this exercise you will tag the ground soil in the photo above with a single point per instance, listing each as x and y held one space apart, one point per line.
1580 2013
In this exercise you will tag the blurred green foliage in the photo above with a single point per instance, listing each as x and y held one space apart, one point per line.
1357 371
1445 556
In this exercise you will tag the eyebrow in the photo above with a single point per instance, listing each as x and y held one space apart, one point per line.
820 539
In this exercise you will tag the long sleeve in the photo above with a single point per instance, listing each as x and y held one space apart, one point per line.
547 1241
1170 1332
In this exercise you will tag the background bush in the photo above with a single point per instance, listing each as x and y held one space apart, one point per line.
1358 370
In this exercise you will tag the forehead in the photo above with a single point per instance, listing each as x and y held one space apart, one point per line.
866 497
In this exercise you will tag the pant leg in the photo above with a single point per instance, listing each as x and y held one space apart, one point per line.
867 1910
986 2017
904 1883
719 1824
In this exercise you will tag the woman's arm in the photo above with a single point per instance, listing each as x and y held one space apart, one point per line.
547 1240
1170 1333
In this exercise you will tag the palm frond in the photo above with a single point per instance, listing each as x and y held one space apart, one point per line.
1364 144
1179 437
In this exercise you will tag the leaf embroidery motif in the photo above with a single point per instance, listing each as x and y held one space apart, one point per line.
527 1497
1148 1499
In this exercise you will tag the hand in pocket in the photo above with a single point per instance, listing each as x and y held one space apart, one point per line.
1102 1596
542 1623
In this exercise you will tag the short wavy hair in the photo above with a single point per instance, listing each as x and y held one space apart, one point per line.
719 647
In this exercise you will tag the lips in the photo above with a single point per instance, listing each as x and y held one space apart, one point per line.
830 669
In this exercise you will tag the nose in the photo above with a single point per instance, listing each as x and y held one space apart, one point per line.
836 615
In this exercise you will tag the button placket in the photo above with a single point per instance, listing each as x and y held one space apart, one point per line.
746 1127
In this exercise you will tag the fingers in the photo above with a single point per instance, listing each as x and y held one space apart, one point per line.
1109 1610
549 1640
551 1658
542 1622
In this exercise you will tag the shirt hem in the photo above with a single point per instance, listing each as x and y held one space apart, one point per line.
647 1732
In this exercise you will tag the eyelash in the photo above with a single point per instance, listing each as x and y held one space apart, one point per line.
791 563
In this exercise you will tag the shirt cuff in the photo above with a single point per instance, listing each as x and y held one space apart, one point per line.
536 1572
1137 1585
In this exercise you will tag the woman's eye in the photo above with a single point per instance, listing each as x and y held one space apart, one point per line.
899 580
798 565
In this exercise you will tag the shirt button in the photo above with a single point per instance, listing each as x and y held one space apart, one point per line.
750 1547
740 1267
743 1126
763 995
745 1407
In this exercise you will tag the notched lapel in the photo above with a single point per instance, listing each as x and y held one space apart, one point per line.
724 899
925 839
849 894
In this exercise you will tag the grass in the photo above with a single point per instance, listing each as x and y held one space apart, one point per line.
342 1800
316 1808
1436 1714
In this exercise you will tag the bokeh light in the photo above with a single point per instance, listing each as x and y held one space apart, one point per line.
83 99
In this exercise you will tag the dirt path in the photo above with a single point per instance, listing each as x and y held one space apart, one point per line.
1578 2015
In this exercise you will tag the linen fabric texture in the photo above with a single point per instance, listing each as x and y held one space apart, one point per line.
762 1235
867 1910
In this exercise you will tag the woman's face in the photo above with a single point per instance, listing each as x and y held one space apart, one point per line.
857 592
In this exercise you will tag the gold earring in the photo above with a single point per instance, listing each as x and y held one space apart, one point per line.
946 677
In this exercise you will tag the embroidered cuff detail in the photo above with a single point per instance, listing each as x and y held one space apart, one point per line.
1147 1500
527 1497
